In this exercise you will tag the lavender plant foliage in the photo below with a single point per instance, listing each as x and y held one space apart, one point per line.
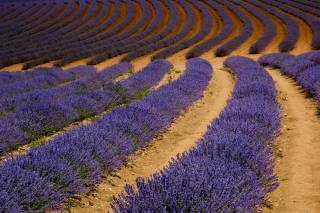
21 21
43 118
40 78
246 30
231 169
67 19
143 80
82 71
293 67
274 59
10 77
300 68
26 200
73 161
303 6
121 43
11 136
311 3
30 9
312 56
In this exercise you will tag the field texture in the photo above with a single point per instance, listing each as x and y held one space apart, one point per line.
159 106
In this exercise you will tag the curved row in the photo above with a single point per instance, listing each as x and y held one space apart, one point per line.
56 21
40 78
312 56
304 71
309 3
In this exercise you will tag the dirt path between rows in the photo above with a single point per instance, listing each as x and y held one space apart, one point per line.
180 137
298 148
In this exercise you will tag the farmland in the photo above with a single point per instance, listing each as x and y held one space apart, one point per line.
159 106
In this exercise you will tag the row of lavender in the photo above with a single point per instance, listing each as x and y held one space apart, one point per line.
231 169
29 116
304 68
14 83
74 161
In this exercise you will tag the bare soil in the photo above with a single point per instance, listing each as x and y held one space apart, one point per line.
297 149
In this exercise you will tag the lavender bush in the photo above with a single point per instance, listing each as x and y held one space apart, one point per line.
39 78
312 56
300 68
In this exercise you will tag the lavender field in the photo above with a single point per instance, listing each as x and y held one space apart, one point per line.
159 106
